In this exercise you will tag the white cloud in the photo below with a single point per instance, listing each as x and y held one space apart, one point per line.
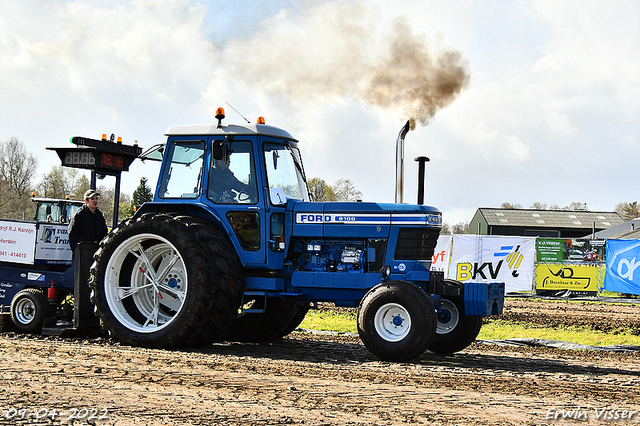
550 113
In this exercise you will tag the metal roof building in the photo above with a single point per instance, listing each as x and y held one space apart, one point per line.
541 223
629 230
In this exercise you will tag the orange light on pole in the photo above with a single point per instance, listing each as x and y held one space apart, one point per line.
220 116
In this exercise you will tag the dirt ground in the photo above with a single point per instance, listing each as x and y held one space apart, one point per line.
312 379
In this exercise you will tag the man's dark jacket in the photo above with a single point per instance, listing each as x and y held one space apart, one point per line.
86 226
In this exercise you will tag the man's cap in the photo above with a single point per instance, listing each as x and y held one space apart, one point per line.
90 193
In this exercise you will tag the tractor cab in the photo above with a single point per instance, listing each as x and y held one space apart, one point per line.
243 175
52 210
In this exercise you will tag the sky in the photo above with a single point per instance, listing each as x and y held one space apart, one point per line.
512 101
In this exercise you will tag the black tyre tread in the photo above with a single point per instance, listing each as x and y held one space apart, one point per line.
465 332
271 325
214 288
42 307
421 309
297 319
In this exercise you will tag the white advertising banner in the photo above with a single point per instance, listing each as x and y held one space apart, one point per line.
487 258
53 244
17 241
442 254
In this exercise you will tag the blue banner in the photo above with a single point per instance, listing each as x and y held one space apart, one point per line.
623 266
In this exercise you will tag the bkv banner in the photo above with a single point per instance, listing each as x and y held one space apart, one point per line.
482 258
623 266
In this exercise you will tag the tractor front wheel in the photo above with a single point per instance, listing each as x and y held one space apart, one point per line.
396 321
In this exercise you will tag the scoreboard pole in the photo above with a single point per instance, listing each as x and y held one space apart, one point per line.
116 200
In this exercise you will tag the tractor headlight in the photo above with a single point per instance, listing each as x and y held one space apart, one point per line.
386 271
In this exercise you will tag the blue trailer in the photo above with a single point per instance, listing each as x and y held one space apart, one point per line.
36 273
233 248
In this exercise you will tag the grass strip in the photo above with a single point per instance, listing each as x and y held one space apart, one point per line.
493 329
500 329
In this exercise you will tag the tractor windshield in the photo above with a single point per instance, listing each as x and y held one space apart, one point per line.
182 175
285 173
56 211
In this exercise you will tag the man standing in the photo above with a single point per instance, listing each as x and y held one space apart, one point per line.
88 223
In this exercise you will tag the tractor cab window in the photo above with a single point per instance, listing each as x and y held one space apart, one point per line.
232 179
183 170
285 173
68 212
48 212
56 211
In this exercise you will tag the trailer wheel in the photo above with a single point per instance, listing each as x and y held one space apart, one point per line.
455 330
274 323
396 321
166 281
29 308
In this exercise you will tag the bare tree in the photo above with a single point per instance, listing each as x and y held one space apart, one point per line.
538 206
460 228
446 229
628 211
576 205
17 166
510 206
60 182
346 191
17 169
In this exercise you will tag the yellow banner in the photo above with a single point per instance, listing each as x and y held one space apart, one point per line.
566 277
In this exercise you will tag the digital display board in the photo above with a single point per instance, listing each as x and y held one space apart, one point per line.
98 154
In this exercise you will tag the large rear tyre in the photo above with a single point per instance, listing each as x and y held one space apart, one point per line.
396 321
297 319
455 330
165 281
274 323
29 308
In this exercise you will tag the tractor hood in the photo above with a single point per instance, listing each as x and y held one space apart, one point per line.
358 220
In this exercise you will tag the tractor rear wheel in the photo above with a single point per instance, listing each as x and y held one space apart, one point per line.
29 308
165 281
455 330
396 321
274 323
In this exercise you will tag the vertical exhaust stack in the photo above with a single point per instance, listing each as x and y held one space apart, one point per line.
421 177
400 161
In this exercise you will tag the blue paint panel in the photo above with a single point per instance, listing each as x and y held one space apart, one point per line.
309 212
327 286
261 283
333 280
15 278
483 299
356 220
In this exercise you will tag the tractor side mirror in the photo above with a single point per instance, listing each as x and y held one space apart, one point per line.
275 159
218 149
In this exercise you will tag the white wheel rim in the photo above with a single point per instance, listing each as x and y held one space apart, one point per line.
154 288
448 324
392 322
25 311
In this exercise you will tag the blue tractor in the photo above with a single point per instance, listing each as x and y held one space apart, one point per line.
232 248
